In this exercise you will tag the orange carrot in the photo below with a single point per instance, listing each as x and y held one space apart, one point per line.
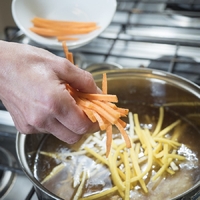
61 22
112 105
122 111
103 124
68 54
70 57
123 123
100 108
89 113
102 97
104 84
48 32
124 134
66 38
62 30
45 32
65 49
107 108
60 26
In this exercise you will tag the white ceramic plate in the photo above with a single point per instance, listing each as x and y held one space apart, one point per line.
99 11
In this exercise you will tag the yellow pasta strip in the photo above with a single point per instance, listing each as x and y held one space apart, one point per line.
175 156
163 168
182 104
114 145
168 141
158 148
137 150
152 141
55 171
149 163
121 174
128 175
113 169
100 194
159 155
142 159
119 162
131 122
138 129
137 168
165 151
80 188
168 128
96 155
159 162
160 121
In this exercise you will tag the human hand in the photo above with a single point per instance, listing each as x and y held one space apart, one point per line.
32 88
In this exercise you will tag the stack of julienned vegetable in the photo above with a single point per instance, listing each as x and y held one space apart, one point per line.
100 108
62 30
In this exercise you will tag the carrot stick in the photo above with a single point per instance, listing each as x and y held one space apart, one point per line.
45 32
54 32
62 25
123 132
70 57
101 97
103 124
66 38
98 109
104 84
123 123
65 49
124 112
61 22
61 29
107 108
68 54
89 113
112 105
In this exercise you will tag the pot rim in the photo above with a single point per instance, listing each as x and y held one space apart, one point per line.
173 78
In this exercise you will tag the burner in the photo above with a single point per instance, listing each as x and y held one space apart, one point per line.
185 12
177 6
179 65
6 177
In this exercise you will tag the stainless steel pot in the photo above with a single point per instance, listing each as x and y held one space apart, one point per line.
138 87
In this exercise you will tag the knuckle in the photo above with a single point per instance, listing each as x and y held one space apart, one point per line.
35 121
82 129
73 140
88 78
26 129
39 118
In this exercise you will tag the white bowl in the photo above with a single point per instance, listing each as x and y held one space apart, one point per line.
99 11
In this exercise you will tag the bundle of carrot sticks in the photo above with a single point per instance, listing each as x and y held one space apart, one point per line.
62 30
100 108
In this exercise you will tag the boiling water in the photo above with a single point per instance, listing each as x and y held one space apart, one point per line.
61 182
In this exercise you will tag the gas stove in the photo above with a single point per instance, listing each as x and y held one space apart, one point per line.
157 34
